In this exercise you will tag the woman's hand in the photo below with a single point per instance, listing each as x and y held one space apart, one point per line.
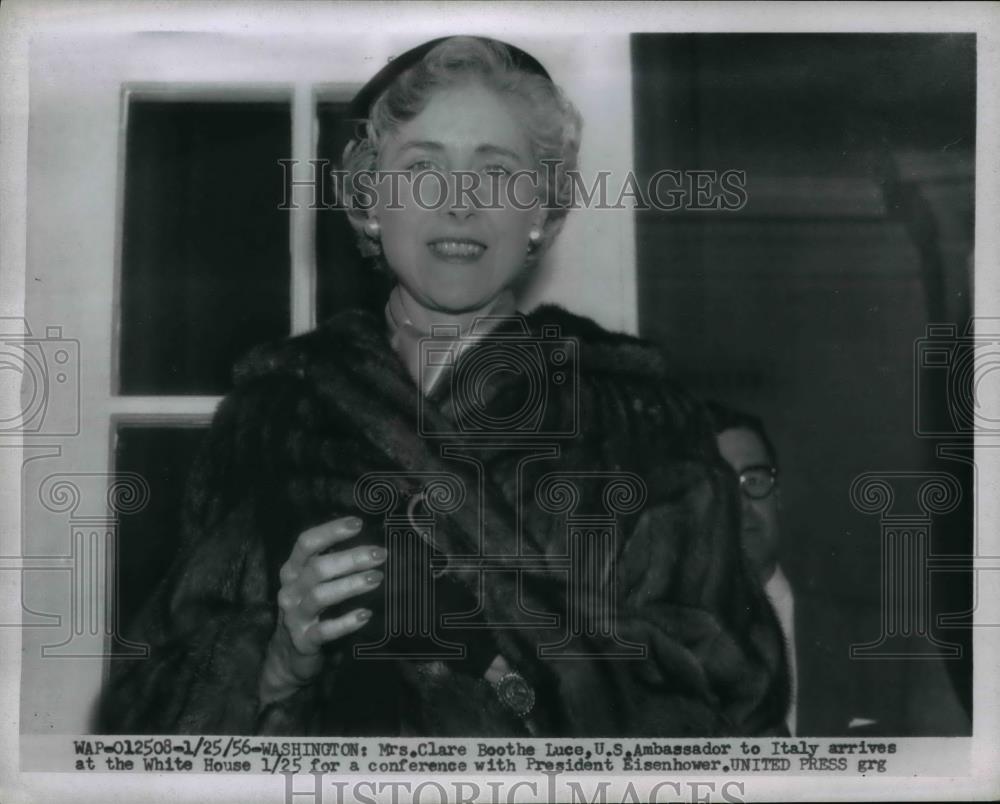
312 580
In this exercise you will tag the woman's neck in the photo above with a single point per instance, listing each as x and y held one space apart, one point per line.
409 324
404 309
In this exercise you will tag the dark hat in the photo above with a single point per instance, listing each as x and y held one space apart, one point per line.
369 93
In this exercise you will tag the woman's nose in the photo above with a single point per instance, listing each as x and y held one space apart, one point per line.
460 213
461 200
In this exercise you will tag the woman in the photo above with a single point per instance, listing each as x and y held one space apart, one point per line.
334 439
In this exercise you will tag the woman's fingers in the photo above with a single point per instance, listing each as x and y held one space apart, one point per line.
326 594
337 627
316 540
327 566
311 580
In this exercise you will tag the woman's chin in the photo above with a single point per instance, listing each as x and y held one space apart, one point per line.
459 301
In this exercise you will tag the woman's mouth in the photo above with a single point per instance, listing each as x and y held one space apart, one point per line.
456 250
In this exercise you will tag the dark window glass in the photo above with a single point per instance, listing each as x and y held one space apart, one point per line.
148 539
205 250
345 279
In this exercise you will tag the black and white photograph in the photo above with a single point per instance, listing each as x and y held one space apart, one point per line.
499 402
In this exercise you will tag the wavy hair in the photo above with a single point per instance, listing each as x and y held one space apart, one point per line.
551 121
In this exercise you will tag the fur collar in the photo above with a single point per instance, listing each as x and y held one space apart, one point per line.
603 351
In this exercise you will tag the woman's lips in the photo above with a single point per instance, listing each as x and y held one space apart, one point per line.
456 249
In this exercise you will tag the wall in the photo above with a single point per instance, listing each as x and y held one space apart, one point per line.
805 307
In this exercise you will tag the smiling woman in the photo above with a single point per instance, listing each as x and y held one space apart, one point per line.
465 109
456 519
455 260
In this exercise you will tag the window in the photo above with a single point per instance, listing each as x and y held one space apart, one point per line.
205 262
354 283
206 274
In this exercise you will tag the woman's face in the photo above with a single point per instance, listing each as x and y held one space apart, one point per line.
448 259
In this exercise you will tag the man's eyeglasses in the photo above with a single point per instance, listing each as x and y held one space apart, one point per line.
757 482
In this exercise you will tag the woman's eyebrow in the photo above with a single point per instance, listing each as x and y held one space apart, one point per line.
486 149
498 150
425 145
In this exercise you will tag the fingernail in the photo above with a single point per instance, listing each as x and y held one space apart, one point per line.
353 522
377 553
363 616
373 578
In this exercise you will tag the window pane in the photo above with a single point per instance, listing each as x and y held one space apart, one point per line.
148 538
344 279
205 251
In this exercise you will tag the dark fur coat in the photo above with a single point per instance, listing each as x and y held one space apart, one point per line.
311 415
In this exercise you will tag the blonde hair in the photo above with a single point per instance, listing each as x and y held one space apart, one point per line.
552 123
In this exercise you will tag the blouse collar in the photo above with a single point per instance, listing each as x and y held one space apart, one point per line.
405 336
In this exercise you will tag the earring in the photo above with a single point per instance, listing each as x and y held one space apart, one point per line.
373 228
534 238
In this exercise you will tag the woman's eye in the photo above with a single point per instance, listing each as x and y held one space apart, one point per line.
497 170
421 165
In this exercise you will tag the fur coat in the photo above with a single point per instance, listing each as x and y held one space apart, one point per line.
311 415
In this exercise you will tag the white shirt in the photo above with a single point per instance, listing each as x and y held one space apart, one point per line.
779 592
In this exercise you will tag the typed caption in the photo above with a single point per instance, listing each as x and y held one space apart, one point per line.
388 757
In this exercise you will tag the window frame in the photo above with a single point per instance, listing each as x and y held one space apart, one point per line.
191 410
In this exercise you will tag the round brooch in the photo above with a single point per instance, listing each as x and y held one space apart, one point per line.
515 693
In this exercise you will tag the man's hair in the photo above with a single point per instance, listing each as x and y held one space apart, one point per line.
726 418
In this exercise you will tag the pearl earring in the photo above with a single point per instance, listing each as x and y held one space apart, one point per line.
534 237
373 228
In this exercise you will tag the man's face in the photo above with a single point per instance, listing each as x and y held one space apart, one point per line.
743 450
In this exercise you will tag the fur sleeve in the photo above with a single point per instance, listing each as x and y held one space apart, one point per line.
209 621
714 660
